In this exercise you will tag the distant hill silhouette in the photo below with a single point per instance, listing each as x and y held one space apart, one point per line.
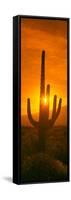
61 120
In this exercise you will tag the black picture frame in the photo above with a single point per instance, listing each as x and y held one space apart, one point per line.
17 95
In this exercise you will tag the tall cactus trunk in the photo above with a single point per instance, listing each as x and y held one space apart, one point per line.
42 89
42 107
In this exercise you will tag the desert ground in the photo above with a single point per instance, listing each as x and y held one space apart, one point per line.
48 166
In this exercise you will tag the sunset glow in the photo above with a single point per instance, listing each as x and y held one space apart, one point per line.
44 99
36 35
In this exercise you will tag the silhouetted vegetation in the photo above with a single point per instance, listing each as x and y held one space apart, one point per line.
50 165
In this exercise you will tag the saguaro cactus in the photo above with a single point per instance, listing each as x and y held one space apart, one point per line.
44 122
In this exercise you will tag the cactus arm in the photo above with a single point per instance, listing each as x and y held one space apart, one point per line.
54 106
32 121
56 114
59 108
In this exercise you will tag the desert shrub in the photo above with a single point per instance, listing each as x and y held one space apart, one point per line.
41 167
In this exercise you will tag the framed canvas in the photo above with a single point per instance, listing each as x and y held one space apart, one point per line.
40 99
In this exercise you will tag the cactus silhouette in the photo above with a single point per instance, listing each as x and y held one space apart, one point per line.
44 122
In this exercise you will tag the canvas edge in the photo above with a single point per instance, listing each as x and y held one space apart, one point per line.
17 163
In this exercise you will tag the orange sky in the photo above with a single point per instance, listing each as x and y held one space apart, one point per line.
50 35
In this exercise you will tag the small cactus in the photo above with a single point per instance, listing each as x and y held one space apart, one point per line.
44 123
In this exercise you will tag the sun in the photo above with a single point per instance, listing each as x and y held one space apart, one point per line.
44 100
